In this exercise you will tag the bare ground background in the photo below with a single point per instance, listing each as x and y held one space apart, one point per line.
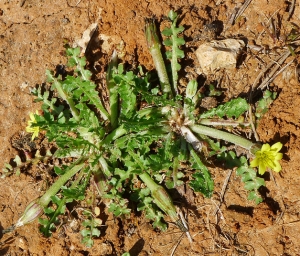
32 39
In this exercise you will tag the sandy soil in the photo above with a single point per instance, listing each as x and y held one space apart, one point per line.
32 39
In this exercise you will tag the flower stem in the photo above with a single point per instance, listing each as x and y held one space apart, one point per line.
113 93
215 122
162 199
35 208
72 170
64 96
217 134
117 133
154 46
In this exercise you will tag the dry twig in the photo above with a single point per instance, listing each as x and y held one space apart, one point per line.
176 245
291 10
185 224
223 191
277 61
272 75
239 12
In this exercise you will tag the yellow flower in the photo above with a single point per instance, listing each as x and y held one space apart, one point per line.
268 157
33 129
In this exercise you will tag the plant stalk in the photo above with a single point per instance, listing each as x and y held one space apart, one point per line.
216 122
69 100
217 134
73 169
35 208
154 46
162 199
191 138
113 93
117 133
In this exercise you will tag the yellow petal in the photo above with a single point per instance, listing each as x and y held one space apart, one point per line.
265 147
28 129
262 168
270 163
277 146
254 162
31 115
278 156
277 167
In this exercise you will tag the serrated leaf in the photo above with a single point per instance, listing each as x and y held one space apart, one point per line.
167 32
172 15
252 182
58 170
17 160
49 210
233 108
180 40
179 54
202 180
55 199
128 100
95 232
85 232
264 103
73 193
229 158
168 42
254 196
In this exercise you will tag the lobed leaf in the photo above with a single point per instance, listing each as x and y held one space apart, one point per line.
202 179
233 108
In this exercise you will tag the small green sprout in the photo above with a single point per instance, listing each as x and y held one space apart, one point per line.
268 157
91 228
33 129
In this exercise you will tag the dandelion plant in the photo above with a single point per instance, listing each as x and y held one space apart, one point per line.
117 149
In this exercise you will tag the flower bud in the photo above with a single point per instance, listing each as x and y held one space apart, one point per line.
32 211
165 203
151 34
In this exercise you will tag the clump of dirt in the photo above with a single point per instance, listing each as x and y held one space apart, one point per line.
33 35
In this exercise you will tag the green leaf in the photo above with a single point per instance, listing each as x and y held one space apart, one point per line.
233 108
128 100
73 193
252 182
264 103
191 89
229 159
85 91
174 42
253 195
202 179
172 15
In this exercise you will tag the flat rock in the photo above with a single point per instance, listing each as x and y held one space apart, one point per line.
218 54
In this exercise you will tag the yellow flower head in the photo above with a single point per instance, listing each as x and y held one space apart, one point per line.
268 157
33 129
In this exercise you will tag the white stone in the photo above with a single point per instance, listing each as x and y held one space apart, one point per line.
215 55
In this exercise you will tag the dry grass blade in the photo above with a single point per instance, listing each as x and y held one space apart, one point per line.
277 61
185 224
7 241
223 191
240 11
291 10
176 245
252 124
272 75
